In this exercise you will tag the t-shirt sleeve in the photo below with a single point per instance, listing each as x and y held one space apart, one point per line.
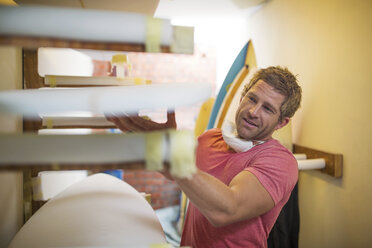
277 171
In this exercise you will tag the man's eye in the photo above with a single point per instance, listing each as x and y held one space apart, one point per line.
268 109
252 99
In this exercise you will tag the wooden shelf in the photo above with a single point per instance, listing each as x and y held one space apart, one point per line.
35 169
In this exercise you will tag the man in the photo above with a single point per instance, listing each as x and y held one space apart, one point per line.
236 195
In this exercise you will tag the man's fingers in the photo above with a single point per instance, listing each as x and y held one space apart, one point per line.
171 120
127 124
145 124
118 123
139 124
121 121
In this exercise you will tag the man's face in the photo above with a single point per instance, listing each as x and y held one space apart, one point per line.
258 114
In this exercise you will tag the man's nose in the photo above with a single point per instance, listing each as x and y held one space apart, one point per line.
253 110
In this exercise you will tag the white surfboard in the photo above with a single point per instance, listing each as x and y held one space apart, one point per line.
101 100
78 24
99 211
78 81
33 149
76 121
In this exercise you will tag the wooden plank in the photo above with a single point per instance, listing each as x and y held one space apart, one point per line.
31 80
27 195
35 168
334 162
36 42
31 77
31 125
76 126
94 122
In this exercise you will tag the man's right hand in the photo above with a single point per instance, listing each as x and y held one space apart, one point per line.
140 124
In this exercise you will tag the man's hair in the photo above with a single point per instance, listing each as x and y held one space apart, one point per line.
284 82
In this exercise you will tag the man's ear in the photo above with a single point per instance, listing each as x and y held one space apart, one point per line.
282 123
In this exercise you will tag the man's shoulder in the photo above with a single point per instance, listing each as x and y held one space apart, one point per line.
275 145
273 151
213 132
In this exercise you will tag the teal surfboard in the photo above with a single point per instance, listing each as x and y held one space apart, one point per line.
239 62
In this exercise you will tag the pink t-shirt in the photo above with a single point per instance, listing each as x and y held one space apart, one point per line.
273 165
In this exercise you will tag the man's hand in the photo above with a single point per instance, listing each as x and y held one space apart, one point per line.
139 124
166 172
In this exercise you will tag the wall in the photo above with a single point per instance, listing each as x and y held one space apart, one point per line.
164 193
199 67
11 193
328 44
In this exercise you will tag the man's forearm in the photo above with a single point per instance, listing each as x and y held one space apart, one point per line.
244 198
214 199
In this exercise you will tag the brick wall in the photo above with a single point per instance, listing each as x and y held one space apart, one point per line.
199 67
163 192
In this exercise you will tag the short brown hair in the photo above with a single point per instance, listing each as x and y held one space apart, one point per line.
283 82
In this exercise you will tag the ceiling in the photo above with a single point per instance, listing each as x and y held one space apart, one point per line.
205 8
160 8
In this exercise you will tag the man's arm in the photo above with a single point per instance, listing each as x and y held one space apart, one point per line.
221 204
245 197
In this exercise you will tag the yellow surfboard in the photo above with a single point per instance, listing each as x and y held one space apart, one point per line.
203 117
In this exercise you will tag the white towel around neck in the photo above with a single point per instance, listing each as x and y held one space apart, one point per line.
230 136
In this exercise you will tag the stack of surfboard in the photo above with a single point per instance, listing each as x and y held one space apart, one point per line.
96 100
100 210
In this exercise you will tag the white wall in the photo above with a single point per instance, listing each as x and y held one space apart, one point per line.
11 183
328 44
227 35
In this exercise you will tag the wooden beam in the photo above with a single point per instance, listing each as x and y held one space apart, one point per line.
31 77
36 42
140 165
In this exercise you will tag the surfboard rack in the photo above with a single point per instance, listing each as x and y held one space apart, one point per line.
333 162
32 31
